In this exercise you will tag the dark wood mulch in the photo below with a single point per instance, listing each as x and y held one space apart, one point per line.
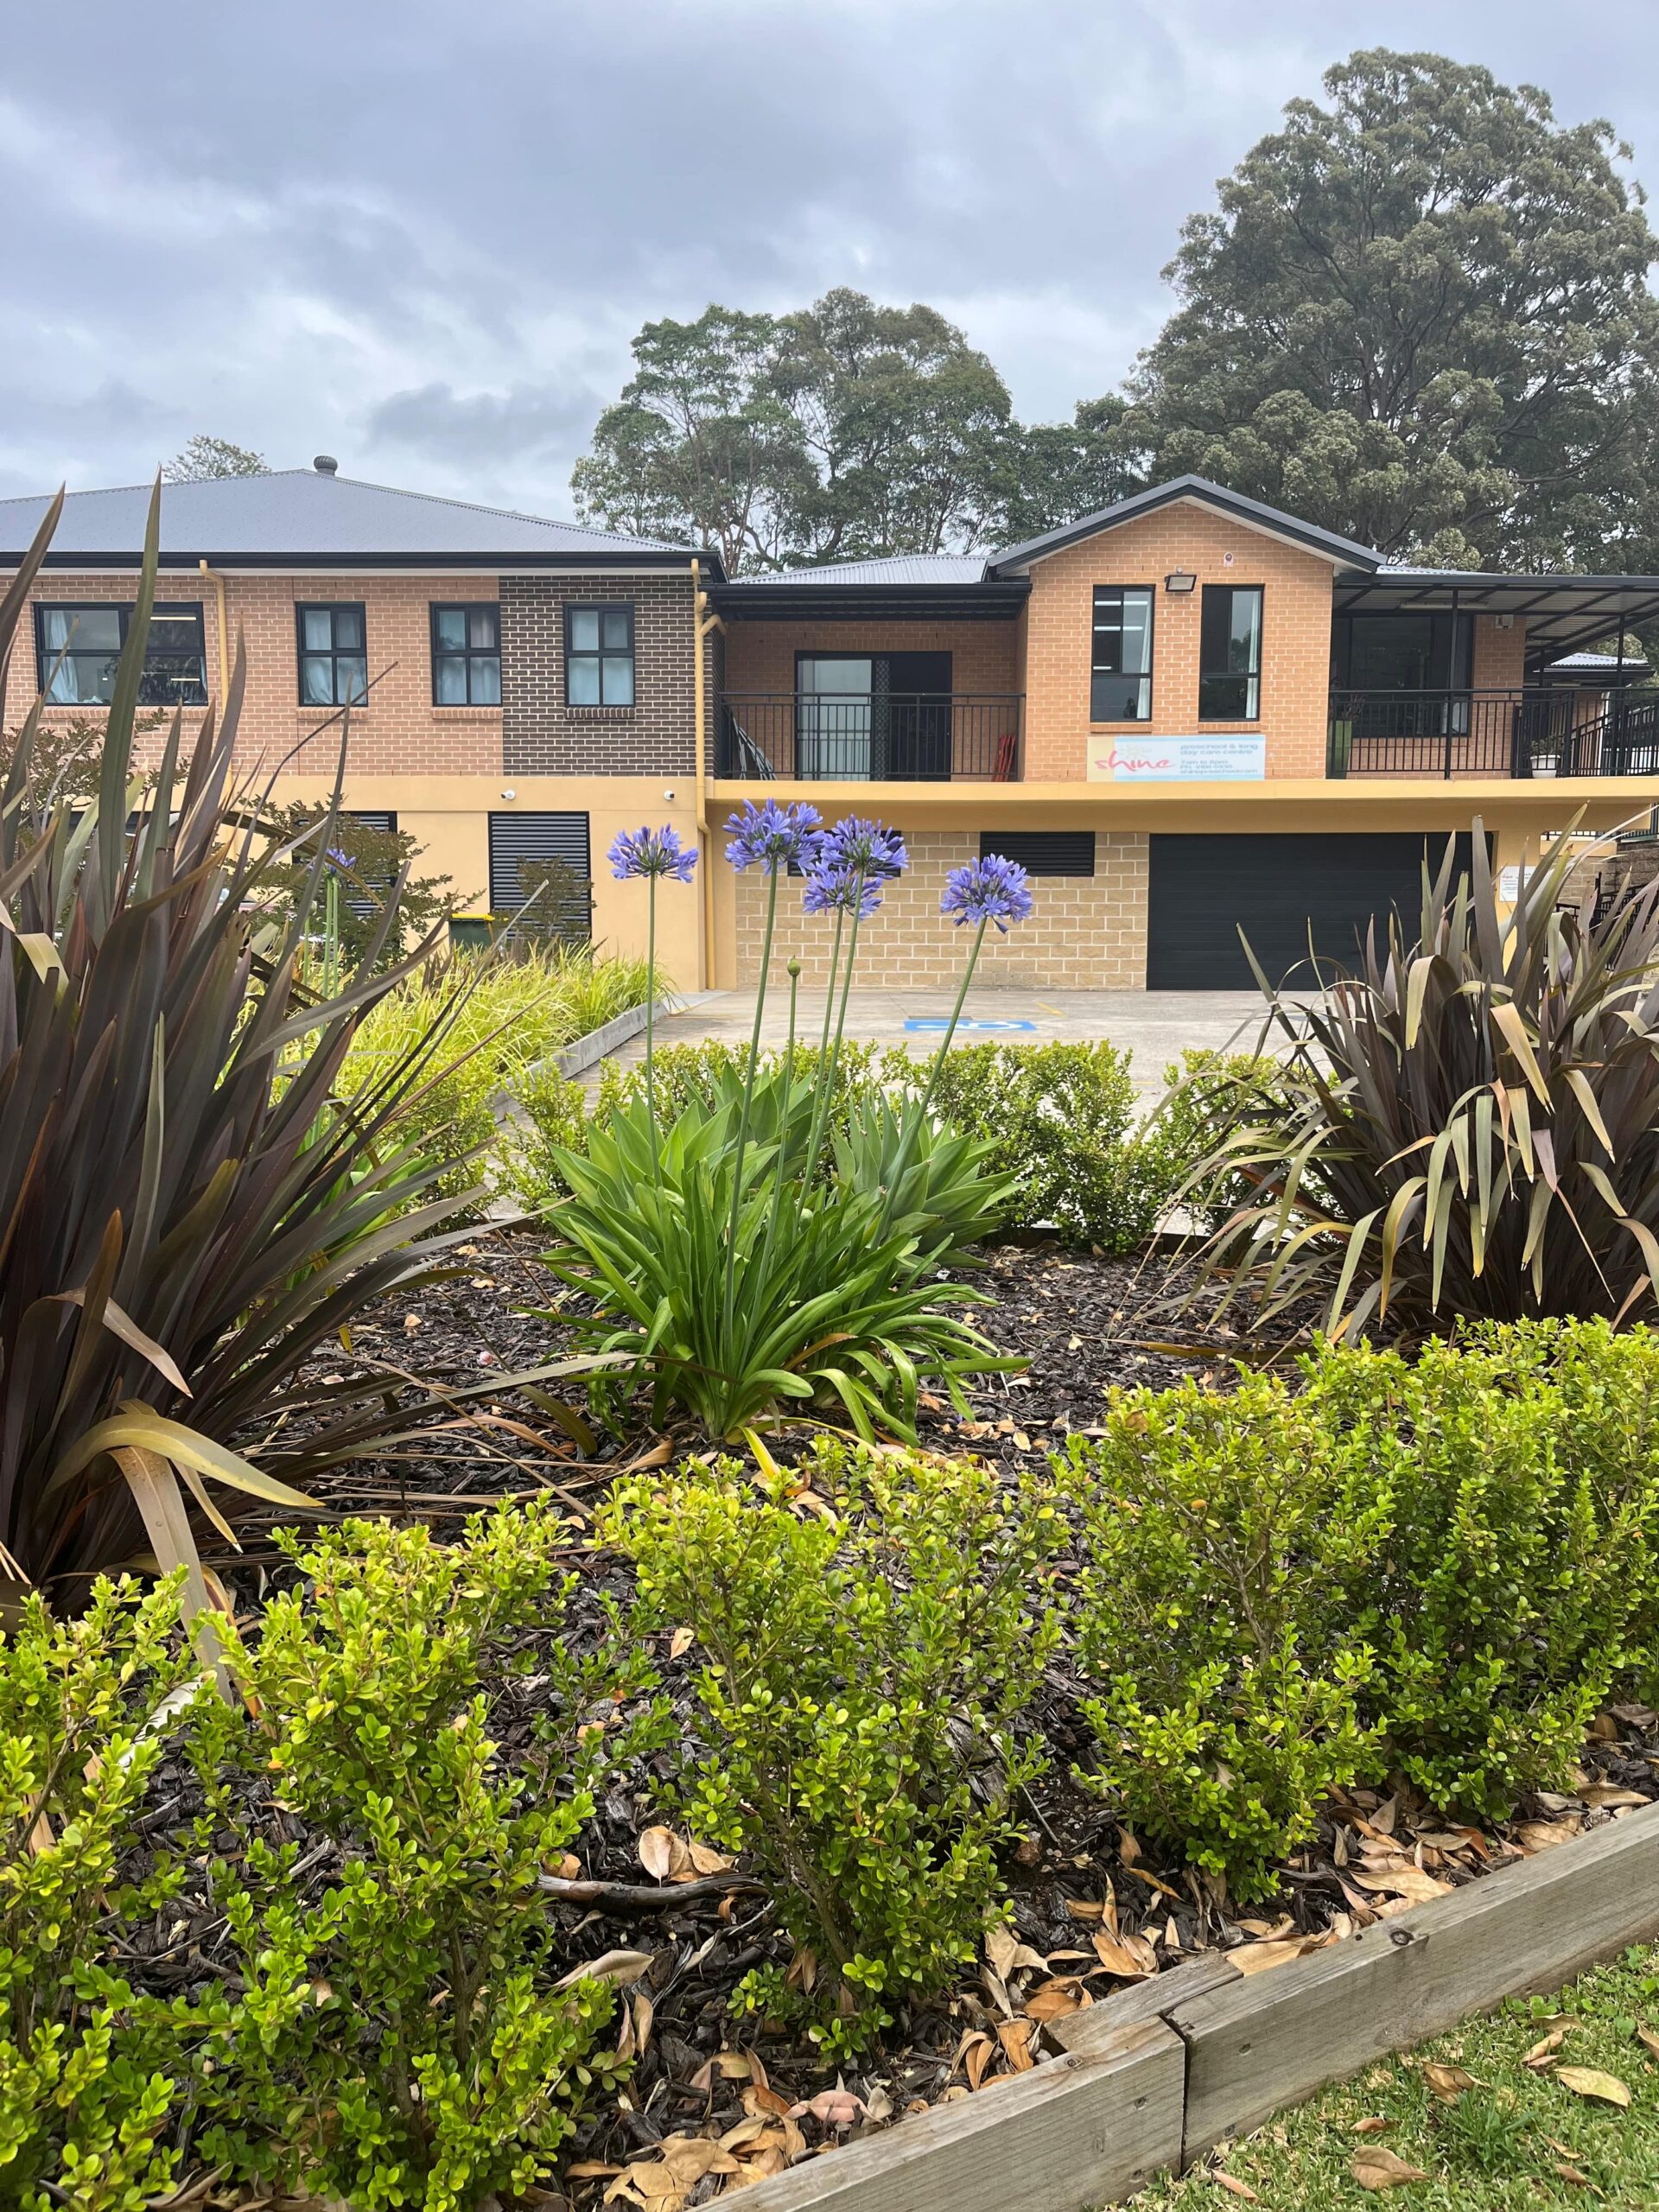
1091 1900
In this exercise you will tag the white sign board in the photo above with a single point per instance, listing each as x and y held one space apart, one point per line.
1509 885
1179 760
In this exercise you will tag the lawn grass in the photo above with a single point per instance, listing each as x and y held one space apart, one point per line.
1514 2140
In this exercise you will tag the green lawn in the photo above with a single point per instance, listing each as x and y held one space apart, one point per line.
1518 2137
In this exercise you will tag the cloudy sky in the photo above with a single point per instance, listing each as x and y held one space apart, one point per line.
420 236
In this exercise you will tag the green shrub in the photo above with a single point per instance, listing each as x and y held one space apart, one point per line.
402 2039
1059 1117
1437 1567
1207 1097
88 1710
1224 1681
867 1670
1062 1118
1518 1471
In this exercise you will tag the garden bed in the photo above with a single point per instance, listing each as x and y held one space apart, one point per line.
1095 1910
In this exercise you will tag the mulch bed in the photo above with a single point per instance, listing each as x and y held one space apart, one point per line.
1094 1908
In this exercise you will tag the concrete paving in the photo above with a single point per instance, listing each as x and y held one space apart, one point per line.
1155 1026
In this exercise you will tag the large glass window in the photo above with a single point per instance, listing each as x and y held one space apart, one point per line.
835 715
1120 683
1229 653
333 656
77 649
599 656
466 655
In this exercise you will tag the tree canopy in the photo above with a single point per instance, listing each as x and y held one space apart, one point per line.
204 457
842 431
1421 316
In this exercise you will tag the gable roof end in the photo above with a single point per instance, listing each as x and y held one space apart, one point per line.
1253 512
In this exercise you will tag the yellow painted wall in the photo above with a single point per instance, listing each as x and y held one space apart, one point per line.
449 816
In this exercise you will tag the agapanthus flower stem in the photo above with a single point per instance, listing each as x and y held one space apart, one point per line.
748 1097
913 1120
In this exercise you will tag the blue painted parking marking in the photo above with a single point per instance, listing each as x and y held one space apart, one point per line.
940 1021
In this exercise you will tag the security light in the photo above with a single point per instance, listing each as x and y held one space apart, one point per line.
1182 580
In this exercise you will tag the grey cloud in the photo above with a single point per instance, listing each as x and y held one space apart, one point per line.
432 233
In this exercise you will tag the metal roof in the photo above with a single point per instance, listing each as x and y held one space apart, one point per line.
888 568
301 515
1255 512
1597 664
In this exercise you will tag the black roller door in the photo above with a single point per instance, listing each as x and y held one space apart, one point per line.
1203 891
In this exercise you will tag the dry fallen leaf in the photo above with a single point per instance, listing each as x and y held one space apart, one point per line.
1448 2083
1007 1954
619 1967
1606 1793
1052 2000
1234 2187
656 1851
1567 2171
1132 1956
1590 2082
1375 2126
680 1641
832 2107
975 2057
1541 2056
1405 1881
1648 2040
1376 2167
1015 2035
705 1859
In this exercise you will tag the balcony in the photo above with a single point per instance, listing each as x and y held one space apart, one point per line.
1536 732
918 737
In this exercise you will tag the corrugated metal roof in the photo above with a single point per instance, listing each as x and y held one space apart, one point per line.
306 514
1599 664
893 569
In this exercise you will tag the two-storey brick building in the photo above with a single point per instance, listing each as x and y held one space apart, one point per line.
1189 714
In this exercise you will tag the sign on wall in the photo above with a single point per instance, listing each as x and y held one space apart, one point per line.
1179 760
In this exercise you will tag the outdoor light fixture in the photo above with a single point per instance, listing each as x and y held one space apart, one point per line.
509 794
1182 580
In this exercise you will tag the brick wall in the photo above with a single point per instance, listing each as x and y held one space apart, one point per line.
1087 933
542 734
1498 658
761 656
1295 639
398 731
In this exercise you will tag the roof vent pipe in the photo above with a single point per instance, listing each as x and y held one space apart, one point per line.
326 465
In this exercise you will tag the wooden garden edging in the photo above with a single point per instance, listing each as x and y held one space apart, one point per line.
1155 2075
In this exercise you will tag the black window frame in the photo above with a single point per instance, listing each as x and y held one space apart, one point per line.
467 654
334 653
1143 676
1044 852
1249 677
598 654
156 687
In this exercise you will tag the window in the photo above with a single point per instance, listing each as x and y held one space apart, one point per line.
1229 653
1120 686
599 656
1042 852
466 655
333 657
77 649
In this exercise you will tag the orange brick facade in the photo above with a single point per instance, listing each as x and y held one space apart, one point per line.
1295 639
984 656
397 732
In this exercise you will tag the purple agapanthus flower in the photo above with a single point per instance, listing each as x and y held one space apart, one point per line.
989 890
864 847
770 837
338 858
840 890
651 852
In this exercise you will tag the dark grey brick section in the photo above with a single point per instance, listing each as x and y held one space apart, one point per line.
542 736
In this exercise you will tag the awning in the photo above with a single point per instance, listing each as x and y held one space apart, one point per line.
1563 613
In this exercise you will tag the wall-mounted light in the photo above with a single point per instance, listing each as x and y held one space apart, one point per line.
509 794
1503 622
1182 580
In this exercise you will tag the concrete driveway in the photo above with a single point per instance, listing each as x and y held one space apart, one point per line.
1155 1026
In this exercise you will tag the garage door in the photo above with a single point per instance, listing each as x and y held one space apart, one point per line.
1203 890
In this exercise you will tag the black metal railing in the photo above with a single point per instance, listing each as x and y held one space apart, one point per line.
1516 733
850 737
